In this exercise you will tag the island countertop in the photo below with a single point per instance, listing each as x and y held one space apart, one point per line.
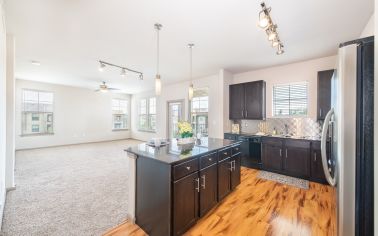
174 153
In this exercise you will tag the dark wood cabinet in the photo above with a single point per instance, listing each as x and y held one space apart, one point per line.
185 203
271 154
317 172
324 93
247 101
208 189
224 175
235 170
237 100
297 158
254 100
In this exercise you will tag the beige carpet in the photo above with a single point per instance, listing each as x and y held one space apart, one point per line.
68 190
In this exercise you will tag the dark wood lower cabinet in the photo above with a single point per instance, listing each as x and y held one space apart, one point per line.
224 176
208 189
235 171
294 157
271 157
185 203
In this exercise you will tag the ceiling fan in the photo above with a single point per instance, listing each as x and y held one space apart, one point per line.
104 88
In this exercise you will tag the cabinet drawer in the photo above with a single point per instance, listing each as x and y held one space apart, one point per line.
208 160
272 141
297 143
223 154
236 150
185 168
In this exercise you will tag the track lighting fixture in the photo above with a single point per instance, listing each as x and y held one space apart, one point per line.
124 70
266 23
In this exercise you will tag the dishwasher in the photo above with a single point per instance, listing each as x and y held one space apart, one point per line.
250 151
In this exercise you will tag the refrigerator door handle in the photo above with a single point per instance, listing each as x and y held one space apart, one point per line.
331 180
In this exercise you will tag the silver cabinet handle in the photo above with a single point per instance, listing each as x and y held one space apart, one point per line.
231 165
242 113
203 181
234 164
314 156
210 159
188 167
198 187
225 153
320 112
280 152
286 152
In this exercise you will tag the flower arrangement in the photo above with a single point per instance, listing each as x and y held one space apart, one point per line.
185 129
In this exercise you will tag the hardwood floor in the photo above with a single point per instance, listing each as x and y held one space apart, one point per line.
260 207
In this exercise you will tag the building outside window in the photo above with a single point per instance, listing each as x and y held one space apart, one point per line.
120 114
290 100
37 112
147 114
200 112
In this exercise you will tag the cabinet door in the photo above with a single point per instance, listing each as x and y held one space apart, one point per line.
235 172
185 203
324 93
297 161
208 192
224 175
254 100
271 157
236 102
317 172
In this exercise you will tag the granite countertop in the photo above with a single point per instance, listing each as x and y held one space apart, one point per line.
309 138
173 153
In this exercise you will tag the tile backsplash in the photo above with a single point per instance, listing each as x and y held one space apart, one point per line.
296 126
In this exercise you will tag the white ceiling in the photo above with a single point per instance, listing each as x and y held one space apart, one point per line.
68 37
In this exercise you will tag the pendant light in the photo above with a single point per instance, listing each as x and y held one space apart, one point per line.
157 78
191 89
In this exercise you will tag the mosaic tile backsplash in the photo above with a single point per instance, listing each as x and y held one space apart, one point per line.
296 126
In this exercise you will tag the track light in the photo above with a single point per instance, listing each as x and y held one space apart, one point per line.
101 67
280 49
123 72
265 22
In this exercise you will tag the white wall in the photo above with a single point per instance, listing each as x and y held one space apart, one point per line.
179 91
369 28
10 139
80 116
2 108
296 72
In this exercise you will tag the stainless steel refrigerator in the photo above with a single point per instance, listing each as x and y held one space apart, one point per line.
347 138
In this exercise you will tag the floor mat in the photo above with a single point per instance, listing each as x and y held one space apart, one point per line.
283 179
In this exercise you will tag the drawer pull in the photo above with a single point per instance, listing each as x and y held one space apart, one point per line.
237 149
210 159
204 181
225 153
198 184
188 167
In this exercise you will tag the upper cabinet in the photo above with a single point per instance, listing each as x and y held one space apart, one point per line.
247 101
324 93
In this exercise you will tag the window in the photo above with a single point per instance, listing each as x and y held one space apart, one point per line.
120 114
290 100
147 114
37 112
199 111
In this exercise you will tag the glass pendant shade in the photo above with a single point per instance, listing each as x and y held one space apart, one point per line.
190 92
157 85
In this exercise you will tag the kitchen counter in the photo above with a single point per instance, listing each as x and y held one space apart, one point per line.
310 138
173 153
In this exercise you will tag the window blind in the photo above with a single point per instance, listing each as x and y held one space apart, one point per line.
290 99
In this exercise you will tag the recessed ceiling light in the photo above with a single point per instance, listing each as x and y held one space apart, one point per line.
35 63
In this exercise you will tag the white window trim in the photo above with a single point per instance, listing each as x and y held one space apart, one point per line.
147 114
200 113
22 110
291 116
127 114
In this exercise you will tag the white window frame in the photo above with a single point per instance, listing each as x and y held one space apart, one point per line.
200 113
148 115
291 116
126 113
23 121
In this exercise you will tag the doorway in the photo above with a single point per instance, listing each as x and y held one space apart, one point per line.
175 114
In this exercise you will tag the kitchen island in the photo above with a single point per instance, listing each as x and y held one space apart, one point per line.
172 186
